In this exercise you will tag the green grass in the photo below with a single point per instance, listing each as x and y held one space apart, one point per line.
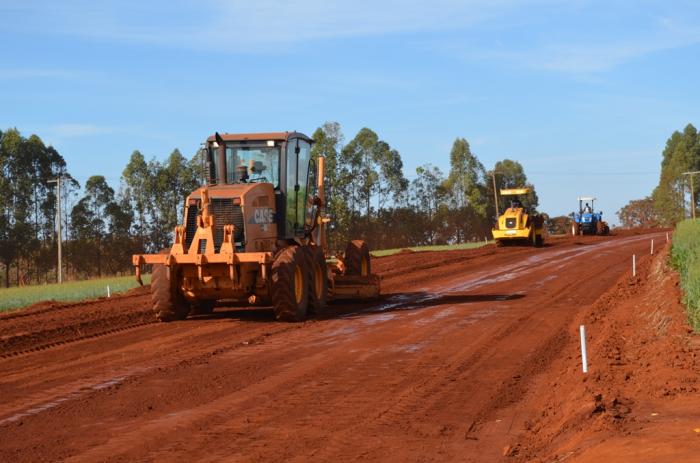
13 298
685 258
443 247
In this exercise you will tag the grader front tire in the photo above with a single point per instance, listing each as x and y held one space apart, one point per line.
168 303
290 288
318 279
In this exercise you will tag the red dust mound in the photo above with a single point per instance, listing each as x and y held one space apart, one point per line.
467 354
639 402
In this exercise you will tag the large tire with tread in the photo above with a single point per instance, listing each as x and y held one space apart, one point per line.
357 260
290 287
168 303
539 241
318 279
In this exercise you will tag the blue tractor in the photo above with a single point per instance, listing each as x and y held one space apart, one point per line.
586 221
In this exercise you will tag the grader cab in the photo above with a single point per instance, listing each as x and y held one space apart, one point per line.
256 233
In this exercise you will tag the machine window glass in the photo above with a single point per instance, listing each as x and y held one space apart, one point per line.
230 162
216 167
290 215
250 164
304 164
298 156
311 192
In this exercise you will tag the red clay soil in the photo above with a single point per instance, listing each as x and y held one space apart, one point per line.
470 356
639 402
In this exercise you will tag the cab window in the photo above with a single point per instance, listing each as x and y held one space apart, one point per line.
253 164
298 157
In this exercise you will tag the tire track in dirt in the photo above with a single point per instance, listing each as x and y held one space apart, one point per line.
409 382
412 399
422 398
47 399
46 334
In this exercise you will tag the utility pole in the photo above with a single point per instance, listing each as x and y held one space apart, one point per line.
59 272
692 192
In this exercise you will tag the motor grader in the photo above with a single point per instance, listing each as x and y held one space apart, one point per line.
517 225
255 233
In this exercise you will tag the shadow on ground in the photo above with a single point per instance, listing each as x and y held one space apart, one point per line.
340 309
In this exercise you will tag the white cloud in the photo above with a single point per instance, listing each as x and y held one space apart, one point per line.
591 56
599 57
77 130
244 25
37 73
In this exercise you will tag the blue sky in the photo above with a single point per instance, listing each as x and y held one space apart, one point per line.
583 93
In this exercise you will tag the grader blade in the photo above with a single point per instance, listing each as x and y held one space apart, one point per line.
355 287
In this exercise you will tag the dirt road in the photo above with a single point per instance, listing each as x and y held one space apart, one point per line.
436 371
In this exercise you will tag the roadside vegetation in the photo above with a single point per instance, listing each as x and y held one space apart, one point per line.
685 258
445 247
668 203
13 298
371 197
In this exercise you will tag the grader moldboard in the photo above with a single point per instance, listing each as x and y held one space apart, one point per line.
256 233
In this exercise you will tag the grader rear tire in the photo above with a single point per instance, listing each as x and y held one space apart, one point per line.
290 287
318 279
168 303
357 259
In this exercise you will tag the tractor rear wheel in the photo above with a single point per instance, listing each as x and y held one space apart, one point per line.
599 228
574 229
357 259
290 288
318 279
168 303
539 241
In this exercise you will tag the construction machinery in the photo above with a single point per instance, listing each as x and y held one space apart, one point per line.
518 225
586 221
255 233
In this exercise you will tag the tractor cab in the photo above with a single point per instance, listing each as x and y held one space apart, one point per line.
587 221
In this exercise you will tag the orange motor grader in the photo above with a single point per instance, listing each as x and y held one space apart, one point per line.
256 233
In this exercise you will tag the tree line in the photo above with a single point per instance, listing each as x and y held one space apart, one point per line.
369 197
670 202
